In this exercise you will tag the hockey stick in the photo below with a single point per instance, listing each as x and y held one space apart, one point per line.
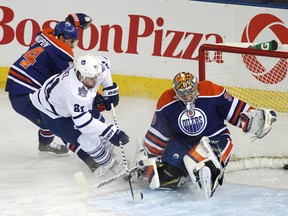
85 187
135 197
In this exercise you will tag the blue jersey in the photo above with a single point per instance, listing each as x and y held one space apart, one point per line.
46 57
172 121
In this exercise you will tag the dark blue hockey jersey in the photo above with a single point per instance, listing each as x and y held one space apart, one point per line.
46 57
172 121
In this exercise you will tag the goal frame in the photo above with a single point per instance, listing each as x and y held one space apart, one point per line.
232 49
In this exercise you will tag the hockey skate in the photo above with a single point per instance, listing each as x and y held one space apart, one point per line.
53 148
92 164
116 168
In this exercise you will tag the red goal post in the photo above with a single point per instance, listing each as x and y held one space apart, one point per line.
259 77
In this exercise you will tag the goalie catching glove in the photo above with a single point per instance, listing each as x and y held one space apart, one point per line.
111 95
259 121
115 136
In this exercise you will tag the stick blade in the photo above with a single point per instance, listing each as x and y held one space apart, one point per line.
138 197
82 182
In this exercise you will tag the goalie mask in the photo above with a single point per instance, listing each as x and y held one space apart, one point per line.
185 86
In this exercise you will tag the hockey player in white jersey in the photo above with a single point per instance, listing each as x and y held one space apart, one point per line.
66 102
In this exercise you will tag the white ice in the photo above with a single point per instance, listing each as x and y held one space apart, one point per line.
34 183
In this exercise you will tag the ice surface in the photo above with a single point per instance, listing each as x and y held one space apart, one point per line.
34 183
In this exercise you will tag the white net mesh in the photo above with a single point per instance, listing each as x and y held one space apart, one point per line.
261 81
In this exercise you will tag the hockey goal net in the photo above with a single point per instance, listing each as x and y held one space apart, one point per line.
259 77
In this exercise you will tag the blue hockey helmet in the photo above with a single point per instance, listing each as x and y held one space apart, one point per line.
66 29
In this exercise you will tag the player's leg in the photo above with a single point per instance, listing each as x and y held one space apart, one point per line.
64 128
23 106
84 156
89 143
97 115
101 153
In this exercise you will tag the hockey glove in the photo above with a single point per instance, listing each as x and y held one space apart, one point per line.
114 135
111 95
99 102
259 121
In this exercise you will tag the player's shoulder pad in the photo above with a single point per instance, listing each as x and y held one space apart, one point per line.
167 97
209 89
48 33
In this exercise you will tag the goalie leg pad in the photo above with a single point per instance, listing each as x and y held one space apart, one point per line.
197 161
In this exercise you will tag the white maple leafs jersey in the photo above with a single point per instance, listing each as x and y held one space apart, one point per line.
63 95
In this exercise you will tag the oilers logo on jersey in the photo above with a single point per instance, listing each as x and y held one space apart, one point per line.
194 124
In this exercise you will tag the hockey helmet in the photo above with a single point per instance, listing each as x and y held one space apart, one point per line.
66 29
88 66
186 87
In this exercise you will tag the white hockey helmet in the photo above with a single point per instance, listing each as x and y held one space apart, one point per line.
88 66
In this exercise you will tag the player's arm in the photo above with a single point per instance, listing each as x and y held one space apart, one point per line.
110 89
230 107
83 119
158 135
87 124
239 113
